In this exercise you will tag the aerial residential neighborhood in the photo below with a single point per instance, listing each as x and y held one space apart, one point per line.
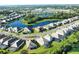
41 29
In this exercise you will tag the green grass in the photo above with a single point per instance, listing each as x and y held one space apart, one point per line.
74 51
19 51
2 16
26 22
40 50
75 48
43 50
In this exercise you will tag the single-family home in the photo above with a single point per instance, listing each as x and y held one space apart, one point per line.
16 45
2 46
42 29
46 27
59 23
48 38
51 26
3 21
9 41
61 34
70 19
36 29
5 44
55 36
4 39
65 21
31 45
40 40
26 30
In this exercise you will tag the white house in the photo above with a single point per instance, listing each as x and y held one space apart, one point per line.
65 30
55 36
45 27
60 32
15 29
69 20
51 25
30 44
58 23
65 21
76 17
6 42
40 40
26 30
16 45
8 19
10 29
2 39
47 37
3 21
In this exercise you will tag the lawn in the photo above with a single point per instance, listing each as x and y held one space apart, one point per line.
2 16
19 51
40 50
44 20
75 49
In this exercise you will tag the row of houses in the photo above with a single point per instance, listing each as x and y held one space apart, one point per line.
13 29
54 25
13 44
45 27
25 30
41 28
59 35
10 43
11 17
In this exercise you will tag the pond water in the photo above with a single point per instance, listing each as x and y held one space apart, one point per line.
43 23
17 24
21 25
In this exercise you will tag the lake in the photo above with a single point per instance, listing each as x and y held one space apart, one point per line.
19 24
